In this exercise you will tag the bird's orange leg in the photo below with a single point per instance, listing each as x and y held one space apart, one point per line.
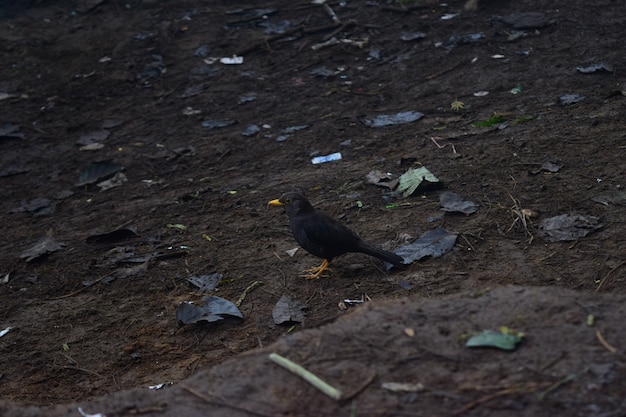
316 272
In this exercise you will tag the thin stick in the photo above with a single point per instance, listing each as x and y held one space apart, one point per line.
331 13
218 403
607 275
308 376
604 343
249 288
489 397
81 289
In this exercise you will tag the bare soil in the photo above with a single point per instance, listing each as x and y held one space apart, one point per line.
93 321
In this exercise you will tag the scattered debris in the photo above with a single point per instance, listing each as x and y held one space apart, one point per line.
11 131
251 130
528 20
82 413
177 226
599 67
93 137
159 386
548 166
402 386
37 207
457 105
115 236
247 98
249 288
495 120
412 36
568 227
436 139
234 60
216 124
206 282
288 311
98 171
413 178
568 99
611 197
328 158
392 119
5 331
455 40
42 248
359 43
522 216
309 377
452 202
117 180
211 310
433 243
382 179
505 339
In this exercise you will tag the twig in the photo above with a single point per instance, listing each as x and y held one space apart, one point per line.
604 343
249 288
341 28
331 13
446 70
308 376
607 275
501 393
91 284
290 32
218 403
556 385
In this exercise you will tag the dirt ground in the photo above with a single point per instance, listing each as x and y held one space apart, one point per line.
131 88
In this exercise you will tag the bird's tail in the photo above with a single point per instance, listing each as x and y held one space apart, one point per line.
392 258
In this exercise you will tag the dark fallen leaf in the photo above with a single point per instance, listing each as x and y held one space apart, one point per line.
567 99
38 207
98 171
528 20
114 236
568 227
93 137
115 181
43 247
412 36
11 131
216 124
288 311
433 243
548 166
382 179
453 202
206 282
599 67
392 119
138 270
13 170
211 310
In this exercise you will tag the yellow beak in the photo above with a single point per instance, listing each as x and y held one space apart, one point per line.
275 203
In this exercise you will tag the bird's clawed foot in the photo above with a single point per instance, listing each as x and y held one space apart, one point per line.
316 272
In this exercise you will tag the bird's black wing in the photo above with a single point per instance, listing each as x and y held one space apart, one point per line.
324 236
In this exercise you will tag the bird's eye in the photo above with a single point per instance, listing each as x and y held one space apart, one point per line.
287 200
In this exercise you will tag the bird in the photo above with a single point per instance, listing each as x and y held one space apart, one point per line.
323 236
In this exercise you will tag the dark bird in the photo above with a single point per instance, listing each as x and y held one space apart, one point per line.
323 236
